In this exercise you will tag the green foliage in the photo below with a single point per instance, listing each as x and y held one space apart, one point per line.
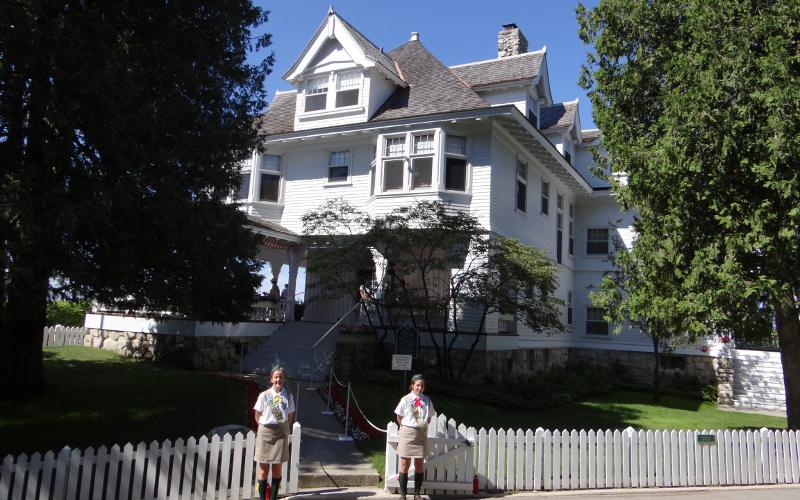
699 104
66 312
434 263
122 129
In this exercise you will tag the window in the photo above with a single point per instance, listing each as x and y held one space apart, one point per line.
348 85
595 323
522 187
269 168
569 308
316 94
559 227
455 168
395 147
244 187
597 241
545 198
567 156
339 166
422 161
571 231
372 174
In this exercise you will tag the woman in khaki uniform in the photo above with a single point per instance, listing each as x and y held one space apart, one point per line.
414 413
274 410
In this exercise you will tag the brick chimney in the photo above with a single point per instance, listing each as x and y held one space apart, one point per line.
511 41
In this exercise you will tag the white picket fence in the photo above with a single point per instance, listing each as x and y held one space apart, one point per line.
60 336
192 469
569 460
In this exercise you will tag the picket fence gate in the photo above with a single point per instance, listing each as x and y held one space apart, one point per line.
193 469
571 459
60 336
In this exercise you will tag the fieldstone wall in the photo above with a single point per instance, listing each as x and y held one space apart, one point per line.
358 351
197 353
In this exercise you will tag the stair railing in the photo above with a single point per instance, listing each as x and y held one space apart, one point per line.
323 353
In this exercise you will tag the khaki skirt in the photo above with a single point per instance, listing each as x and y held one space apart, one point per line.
272 444
413 442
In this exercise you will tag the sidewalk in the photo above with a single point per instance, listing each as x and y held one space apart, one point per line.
325 461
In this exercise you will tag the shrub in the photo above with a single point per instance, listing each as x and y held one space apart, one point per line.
66 313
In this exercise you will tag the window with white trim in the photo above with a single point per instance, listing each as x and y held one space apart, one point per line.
394 152
567 156
269 178
348 86
522 187
339 166
597 241
243 194
372 175
545 197
455 163
316 92
571 232
422 160
569 308
559 227
596 323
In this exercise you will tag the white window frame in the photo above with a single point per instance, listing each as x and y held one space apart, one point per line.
559 227
413 154
247 170
545 200
596 310
344 182
337 77
308 92
521 180
460 156
262 170
571 232
332 90
390 156
589 241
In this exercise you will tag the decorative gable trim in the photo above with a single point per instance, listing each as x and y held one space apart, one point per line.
334 27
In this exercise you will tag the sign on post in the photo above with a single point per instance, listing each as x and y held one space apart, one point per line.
406 340
401 362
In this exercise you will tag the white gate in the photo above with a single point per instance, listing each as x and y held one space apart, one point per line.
449 466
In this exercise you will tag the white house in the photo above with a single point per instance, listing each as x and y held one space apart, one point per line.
382 129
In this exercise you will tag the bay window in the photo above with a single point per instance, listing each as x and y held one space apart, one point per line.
422 161
455 163
394 163
244 187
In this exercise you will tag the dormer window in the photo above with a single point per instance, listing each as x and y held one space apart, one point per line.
316 94
348 85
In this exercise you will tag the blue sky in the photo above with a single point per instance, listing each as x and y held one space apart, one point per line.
454 31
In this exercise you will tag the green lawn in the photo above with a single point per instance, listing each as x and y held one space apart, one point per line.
617 410
99 398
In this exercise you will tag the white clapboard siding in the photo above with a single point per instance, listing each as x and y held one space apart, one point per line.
519 460
60 336
151 471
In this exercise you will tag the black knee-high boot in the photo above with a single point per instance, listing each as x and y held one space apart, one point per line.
262 489
276 484
403 478
418 484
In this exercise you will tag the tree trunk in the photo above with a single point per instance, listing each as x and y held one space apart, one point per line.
21 332
788 325
656 370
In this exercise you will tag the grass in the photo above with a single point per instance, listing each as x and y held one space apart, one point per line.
616 410
97 397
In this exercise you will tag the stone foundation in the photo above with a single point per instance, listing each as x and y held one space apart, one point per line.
198 353
358 351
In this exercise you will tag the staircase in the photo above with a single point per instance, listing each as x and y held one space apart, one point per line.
291 346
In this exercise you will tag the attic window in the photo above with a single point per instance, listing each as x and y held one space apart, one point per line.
348 85
316 94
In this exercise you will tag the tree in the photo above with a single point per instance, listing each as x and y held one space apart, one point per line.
644 290
440 269
699 103
122 125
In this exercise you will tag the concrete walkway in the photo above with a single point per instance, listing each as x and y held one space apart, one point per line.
325 461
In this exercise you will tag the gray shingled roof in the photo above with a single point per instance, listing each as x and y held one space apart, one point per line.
558 117
432 87
370 49
588 136
279 118
506 69
266 224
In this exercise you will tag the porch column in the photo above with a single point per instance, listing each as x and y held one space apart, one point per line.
294 257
